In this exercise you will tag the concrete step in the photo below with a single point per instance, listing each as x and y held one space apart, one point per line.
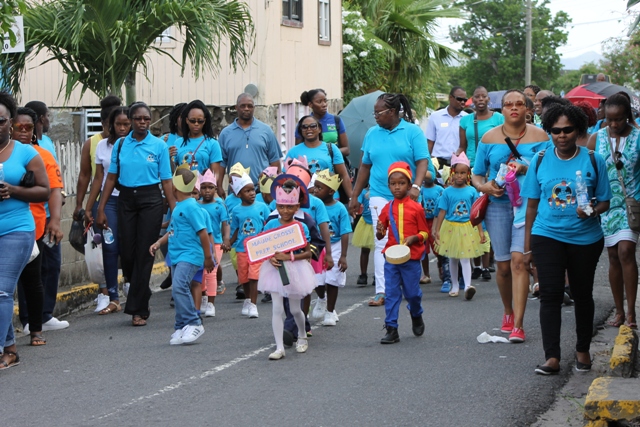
613 399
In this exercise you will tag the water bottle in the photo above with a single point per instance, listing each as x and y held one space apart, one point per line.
107 236
502 172
1 178
582 194
513 188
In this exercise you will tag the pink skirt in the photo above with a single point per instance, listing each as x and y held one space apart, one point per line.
300 275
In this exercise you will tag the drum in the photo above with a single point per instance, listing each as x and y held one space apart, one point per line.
398 254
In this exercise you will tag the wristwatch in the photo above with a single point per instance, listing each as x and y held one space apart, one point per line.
416 186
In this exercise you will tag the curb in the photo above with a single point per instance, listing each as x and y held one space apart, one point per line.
624 352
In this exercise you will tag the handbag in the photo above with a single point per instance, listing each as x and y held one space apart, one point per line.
479 209
631 204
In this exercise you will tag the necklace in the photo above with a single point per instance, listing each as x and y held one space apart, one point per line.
522 134
566 160
5 147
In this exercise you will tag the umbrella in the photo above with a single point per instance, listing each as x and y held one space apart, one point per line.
580 93
495 100
594 92
358 119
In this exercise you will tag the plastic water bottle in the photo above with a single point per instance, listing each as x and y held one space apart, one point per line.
513 188
502 172
107 236
1 178
582 194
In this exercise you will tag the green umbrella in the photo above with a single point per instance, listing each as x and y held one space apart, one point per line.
358 119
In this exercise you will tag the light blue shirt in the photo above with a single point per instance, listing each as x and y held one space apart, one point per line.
184 244
249 221
218 213
363 199
457 202
232 201
381 147
554 185
430 197
484 126
14 213
444 131
255 147
318 157
47 144
207 151
142 163
339 221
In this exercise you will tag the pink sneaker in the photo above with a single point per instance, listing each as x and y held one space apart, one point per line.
507 323
517 335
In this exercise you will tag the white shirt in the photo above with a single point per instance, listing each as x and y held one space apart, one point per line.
103 157
444 131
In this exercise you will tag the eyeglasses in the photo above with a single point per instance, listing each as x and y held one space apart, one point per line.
24 127
459 98
510 104
311 126
619 164
142 119
566 130
198 121
3 121
377 114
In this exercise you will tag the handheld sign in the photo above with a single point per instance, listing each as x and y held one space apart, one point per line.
282 239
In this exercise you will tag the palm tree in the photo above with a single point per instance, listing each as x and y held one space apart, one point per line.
101 43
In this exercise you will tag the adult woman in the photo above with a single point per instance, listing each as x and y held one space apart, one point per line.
320 155
562 236
619 144
530 92
119 127
17 228
175 127
588 110
139 163
506 228
333 129
474 126
601 121
394 139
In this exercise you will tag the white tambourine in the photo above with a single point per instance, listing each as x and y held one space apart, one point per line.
398 254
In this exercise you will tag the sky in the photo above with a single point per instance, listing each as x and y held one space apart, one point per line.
593 21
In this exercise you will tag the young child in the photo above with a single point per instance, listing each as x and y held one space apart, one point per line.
430 194
264 182
363 237
231 202
217 212
408 226
455 237
189 249
247 220
325 186
298 269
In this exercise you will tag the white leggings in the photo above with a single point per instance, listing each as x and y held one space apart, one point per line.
466 272
277 319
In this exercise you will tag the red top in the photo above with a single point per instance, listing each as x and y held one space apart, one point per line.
410 220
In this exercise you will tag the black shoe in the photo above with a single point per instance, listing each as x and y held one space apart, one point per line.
267 298
492 268
566 300
475 275
546 370
374 281
171 303
362 280
417 326
391 337
287 338
486 274
582 367
166 283
240 292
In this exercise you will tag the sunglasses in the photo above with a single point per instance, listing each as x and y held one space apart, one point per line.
198 121
510 104
566 130
24 128
460 99
619 164
3 121
377 114
311 126
142 119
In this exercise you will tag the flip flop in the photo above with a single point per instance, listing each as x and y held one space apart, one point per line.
109 310
138 321
617 321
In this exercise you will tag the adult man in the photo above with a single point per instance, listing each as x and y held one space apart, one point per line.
537 104
601 78
42 126
249 141
443 129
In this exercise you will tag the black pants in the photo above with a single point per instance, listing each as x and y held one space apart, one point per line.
140 212
552 259
31 292
444 161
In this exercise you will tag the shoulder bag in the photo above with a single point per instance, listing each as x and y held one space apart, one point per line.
632 205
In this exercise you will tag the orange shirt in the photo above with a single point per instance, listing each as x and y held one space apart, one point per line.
55 181
410 220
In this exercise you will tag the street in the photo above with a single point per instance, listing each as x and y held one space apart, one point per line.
102 371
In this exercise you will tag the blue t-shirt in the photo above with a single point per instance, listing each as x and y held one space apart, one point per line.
171 140
15 214
208 151
382 147
249 221
47 144
142 163
218 213
554 185
484 126
457 202
232 201
363 199
329 131
318 157
339 221
430 197
184 244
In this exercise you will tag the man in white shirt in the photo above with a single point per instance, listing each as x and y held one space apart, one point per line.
443 129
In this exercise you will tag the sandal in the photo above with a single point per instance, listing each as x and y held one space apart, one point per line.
535 290
617 321
138 321
631 322
37 340
113 307
5 365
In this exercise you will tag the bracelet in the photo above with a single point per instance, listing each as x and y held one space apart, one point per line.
292 257
416 186
526 253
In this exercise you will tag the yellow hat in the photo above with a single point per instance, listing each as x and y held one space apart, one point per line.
239 170
179 180
331 180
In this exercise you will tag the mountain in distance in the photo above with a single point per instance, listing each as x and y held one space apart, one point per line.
578 61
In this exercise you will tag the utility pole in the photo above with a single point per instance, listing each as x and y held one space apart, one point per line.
527 54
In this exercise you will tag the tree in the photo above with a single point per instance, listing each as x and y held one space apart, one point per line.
622 60
571 79
100 44
494 39
8 11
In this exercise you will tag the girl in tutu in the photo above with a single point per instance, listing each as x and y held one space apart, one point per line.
298 269
363 236
455 237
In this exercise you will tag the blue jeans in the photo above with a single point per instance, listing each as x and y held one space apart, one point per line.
16 250
110 252
402 279
51 261
499 224
182 274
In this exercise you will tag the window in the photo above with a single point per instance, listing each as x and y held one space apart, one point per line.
165 37
292 13
324 22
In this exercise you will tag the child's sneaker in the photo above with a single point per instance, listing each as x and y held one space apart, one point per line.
190 333
486 274
424 280
204 301
221 288
446 287
319 309
176 337
517 335
329 319
253 311
245 307
210 310
507 323
475 275
362 280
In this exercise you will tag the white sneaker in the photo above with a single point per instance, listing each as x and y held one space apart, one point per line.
210 310
335 316
276 355
26 329
204 302
320 309
253 311
302 345
176 337
103 302
245 307
125 289
190 333
54 324
329 319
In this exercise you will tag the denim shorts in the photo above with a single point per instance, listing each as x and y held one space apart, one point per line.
505 238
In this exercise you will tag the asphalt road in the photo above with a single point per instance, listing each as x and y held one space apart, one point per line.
102 371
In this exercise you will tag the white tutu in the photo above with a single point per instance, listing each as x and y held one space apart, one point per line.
301 278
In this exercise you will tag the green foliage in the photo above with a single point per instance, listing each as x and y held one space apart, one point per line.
494 40
8 10
571 79
102 43
622 61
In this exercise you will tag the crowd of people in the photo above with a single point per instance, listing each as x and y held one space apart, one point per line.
468 191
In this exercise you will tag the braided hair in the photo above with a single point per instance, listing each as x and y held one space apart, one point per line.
174 115
398 102
207 129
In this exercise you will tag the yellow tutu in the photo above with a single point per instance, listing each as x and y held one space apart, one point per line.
486 246
363 235
459 240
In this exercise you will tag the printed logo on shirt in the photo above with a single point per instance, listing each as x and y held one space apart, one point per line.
248 227
429 206
461 209
332 232
562 196
314 166
188 158
152 158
